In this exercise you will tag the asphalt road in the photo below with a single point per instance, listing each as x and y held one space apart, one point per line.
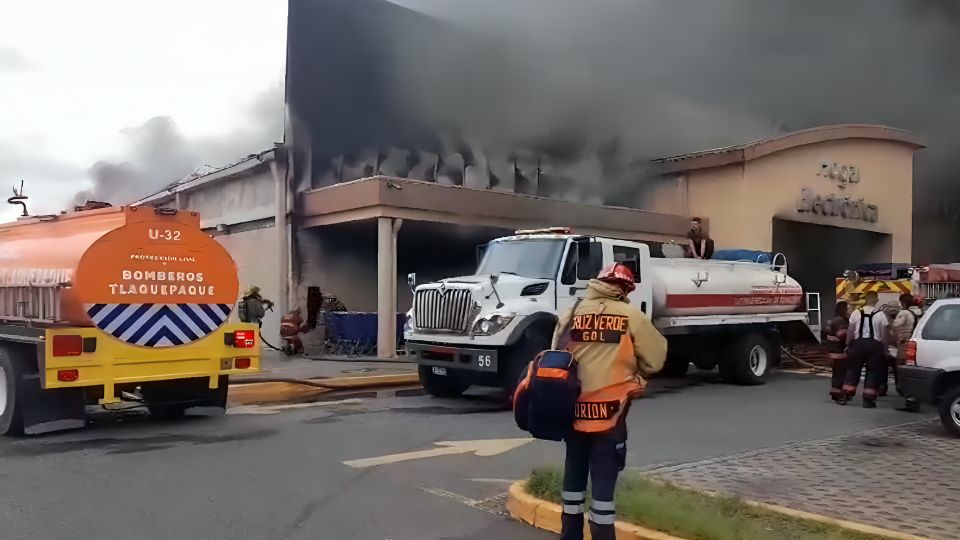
278 472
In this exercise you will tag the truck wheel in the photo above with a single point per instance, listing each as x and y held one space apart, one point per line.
675 367
747 361
448 385
521 354
11 381
949 409
167 400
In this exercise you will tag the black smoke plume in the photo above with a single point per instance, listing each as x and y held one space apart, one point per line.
587 92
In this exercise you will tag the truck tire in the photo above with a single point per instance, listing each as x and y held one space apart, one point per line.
167 400
517 357
11 384
747 361
949 408
675 367
448 385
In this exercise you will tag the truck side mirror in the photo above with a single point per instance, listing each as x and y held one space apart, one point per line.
412 281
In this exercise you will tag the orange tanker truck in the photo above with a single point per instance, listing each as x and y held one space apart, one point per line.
120 301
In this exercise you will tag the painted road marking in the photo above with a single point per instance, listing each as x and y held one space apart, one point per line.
484 448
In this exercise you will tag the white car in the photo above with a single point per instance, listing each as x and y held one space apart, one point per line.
932 371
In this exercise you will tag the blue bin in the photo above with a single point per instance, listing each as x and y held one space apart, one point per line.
358 328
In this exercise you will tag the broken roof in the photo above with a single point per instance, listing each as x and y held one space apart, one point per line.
747 152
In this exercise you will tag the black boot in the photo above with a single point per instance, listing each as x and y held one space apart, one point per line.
869 404
602 532
571 526
910 405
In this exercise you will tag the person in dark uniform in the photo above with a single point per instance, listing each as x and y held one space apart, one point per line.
867 337
835 336
699 245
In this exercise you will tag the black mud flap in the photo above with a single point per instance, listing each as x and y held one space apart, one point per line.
46 411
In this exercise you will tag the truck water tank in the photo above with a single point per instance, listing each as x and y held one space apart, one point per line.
145 276
684 287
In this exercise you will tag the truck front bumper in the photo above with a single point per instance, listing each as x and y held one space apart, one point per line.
459 358
918 382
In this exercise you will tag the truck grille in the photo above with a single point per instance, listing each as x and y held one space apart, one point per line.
452 310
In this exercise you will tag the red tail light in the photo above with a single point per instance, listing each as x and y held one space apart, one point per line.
242 363
910 353
68 375
244 339
67 345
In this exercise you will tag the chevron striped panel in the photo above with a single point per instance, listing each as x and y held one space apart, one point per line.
159 325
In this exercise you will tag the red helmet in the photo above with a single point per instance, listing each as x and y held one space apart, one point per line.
620 275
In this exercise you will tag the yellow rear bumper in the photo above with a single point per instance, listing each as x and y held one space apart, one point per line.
115 363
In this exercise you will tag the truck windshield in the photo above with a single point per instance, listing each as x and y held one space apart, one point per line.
528 258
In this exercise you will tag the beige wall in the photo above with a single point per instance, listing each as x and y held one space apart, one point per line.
238 199
742 199
255 252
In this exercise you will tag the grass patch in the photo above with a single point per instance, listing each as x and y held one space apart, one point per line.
696 516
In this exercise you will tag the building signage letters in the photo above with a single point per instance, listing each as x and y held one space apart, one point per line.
842 206
837 206
842 174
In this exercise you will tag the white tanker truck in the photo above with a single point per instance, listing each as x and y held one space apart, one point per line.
483 329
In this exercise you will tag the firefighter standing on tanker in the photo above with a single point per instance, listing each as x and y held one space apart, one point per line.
616 346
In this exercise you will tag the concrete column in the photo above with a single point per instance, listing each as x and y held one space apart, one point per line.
386 295
397 223
280 229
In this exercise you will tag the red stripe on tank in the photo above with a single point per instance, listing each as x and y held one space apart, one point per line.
732 300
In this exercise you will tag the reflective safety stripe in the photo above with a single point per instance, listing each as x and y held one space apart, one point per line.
603 506
573 509
552 373
574 496
603 519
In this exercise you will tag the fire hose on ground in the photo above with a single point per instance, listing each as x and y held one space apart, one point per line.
802 362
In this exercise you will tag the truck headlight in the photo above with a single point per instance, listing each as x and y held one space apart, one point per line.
491 324
408 324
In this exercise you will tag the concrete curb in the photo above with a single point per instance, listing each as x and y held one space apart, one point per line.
293 391
546 515
852 525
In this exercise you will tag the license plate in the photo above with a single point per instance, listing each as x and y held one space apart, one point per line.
439 370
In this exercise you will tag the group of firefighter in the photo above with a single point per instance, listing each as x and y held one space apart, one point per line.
866 339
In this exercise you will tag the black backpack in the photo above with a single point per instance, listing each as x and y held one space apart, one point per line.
545 401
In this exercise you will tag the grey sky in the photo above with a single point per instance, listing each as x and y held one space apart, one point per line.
76 87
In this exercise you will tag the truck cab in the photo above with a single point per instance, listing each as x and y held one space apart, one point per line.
483 328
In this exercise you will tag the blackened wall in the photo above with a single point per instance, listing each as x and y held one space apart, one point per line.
338 85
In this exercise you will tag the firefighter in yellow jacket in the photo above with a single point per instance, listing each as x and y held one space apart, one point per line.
616 347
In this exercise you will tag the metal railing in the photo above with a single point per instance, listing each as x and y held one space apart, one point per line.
936 290
30 303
